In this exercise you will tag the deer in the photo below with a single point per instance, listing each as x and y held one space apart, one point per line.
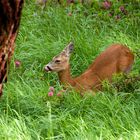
117 58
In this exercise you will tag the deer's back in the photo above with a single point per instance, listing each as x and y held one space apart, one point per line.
116 58
112 58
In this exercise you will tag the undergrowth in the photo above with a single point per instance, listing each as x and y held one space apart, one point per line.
26 110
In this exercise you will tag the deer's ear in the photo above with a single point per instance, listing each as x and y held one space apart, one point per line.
69 49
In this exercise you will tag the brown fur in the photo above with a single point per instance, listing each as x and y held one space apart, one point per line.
115 59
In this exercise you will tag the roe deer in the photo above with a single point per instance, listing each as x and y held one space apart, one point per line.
115 59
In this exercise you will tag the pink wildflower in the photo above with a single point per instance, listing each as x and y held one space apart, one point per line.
110 15
51 89
107 4
17 63
50 93
117 17
59 94
122 8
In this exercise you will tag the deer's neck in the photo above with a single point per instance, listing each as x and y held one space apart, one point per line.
65 77
80 83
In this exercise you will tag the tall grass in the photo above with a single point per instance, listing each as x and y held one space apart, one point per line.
26 110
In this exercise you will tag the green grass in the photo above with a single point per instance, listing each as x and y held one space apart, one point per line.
27 113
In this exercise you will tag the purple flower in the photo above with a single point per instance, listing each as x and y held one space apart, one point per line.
122 9
117 17
17 63
59 94
51 89
110 15
106 4
50 93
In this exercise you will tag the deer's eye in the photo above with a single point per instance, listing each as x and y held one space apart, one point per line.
57 61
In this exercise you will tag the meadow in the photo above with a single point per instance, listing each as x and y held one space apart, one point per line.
28 113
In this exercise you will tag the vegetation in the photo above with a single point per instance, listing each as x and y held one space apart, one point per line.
28 113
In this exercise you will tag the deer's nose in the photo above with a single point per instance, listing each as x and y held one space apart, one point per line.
47 68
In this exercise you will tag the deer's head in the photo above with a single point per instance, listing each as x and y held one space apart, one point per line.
61 61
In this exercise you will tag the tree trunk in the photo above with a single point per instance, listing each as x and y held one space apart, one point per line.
10 12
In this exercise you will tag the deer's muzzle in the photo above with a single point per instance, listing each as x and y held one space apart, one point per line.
47 68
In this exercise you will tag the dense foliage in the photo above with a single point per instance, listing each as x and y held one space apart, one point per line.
27 112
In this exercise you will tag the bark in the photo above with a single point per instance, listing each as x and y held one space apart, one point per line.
10 12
